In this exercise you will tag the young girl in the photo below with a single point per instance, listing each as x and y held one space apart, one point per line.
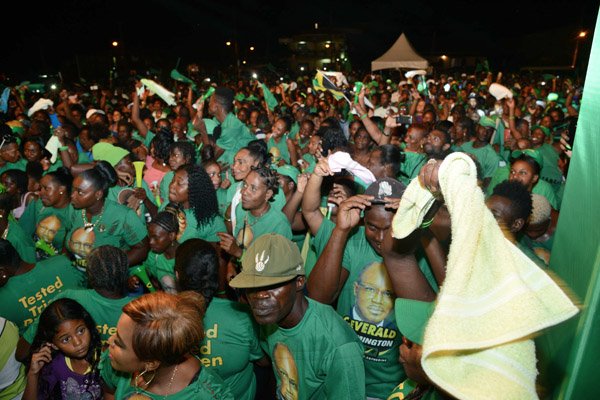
65 355
162 235
213 169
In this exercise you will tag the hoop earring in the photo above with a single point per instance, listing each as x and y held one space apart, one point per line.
141 375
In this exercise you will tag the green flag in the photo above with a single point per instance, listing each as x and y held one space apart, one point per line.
269 97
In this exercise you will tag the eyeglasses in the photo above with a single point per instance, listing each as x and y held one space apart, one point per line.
373 292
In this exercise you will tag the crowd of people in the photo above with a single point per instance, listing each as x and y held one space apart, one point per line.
286 241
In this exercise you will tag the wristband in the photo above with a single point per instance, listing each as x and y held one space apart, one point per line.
63 148
364 116
426 224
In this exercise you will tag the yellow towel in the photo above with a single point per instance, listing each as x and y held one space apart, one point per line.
477 344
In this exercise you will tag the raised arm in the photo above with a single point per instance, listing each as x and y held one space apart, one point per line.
311 201
328 276
135 112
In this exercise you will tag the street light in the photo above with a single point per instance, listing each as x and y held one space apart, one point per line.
251 48
444 57
228 43
580 36
115 43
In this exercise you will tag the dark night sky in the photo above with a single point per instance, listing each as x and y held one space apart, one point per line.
159 32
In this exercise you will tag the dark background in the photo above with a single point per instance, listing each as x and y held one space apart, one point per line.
74 37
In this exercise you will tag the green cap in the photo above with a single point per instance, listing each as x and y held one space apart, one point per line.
412 317
546 131
487 122
109 153
289 171
240 97
270 259
531 153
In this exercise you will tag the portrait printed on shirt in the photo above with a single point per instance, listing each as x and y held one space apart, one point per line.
45 233
287 373
81 244
372 314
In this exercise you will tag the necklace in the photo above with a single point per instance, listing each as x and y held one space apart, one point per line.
171 382
88 226
255 219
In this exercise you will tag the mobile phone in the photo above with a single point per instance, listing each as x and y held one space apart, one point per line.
54 121
404 119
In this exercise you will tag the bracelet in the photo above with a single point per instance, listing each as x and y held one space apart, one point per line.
426 224
63 148
364 116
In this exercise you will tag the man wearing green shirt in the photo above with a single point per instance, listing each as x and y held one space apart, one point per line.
314 353
231 134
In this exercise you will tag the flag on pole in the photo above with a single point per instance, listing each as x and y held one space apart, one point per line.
322 82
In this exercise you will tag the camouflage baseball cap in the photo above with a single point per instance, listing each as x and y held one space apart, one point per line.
270 259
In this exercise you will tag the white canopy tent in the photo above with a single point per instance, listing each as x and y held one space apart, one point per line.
400 55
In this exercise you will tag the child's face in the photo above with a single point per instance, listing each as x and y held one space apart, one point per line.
73 338
313 145
214 172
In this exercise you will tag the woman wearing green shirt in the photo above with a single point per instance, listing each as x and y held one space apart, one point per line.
98 221
181 153
192 190
162 235
12 231
257 216
284 145
48 219
153 353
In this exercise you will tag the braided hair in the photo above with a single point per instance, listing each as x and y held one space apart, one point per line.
269 177
107 269
167 219
201 194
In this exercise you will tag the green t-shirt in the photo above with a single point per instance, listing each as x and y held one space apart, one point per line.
52 223
20 165
486 156
222 200
105 312
294 129
371 313
20 241
25 296
500 175
230 345
311 161
411 166
164 187
281 146
120 194
116 225
543 188
550 171
207 385
234 136
206 232
163 269
324 357
248 227
146 140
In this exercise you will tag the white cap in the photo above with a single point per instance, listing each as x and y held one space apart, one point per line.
93 111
